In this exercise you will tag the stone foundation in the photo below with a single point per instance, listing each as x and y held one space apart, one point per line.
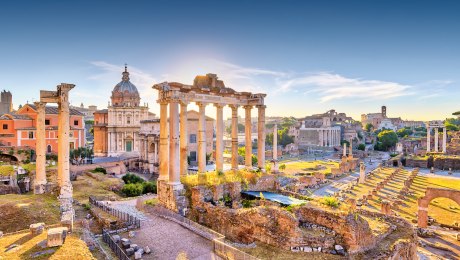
172 196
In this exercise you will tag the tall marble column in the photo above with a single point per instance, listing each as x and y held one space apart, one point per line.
248 139
174 155
219 137
234 137
201 138
40 175
261 137
320 133
444 140
344 152
63 141
428 139
436 140
183 138
275 142
164 142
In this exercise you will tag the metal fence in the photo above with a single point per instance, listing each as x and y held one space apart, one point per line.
131 221
107 238
221 248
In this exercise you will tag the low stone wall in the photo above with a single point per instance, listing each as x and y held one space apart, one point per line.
111 167
447 163
416 163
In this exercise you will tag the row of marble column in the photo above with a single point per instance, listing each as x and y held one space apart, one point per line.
173 148
63 166
329 137
436 139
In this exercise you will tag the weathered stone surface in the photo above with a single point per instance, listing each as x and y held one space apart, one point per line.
147 250
37 228
56 236
137 255
116 238
129 252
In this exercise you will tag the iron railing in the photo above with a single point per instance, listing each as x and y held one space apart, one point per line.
107 238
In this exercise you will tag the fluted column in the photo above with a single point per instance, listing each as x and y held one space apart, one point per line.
234 137
436 139
275 142
40 175
174 155
248 132
219 137
201 138
444 140
164 142
261 136
183 138
428 139
63 141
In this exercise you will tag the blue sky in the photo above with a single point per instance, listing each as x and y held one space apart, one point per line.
308 56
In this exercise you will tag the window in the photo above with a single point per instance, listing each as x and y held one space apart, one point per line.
75 122
5 126
47 122
31 135
193 138
128 120
193 156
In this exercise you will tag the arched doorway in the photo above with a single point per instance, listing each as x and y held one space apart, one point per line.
49 149
430 194
129 144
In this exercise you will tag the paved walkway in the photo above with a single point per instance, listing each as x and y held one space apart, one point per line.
165 238
168 240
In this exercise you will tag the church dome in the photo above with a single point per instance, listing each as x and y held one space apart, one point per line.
125 93
125 86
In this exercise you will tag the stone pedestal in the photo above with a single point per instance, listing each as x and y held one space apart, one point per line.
67 218
172 196
56 236
37 228
362 173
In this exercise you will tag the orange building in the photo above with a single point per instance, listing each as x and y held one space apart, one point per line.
19 129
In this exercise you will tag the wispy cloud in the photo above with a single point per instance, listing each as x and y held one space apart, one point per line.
330 86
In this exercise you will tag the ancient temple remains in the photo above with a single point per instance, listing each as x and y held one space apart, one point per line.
206 90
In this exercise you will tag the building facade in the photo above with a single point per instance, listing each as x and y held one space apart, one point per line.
19 129
116 129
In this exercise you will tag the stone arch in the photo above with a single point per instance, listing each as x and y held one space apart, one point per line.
9 158
430 194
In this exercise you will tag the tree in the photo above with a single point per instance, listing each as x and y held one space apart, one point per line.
344 142
77 156
283 137
387 139
369 127
242 153
361 147
452 124
241 128
404 132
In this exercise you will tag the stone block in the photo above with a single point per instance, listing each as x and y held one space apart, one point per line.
67 218
126 244
129 252
147 250
124 240
137 255
56 236
134 246
116 238
37 228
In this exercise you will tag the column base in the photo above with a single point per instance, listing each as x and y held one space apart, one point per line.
172 196
40 188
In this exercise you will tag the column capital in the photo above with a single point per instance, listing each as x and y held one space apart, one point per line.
40 105
183 103
247 107
219 105
233 107
162 101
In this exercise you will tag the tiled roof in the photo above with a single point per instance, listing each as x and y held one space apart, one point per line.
50 110
15 116
102 111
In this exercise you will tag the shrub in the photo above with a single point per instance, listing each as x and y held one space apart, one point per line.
246 203
151 202
332 202
6 170
268 168
132 178
282 167
149 187
86 206
100 169
133 189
